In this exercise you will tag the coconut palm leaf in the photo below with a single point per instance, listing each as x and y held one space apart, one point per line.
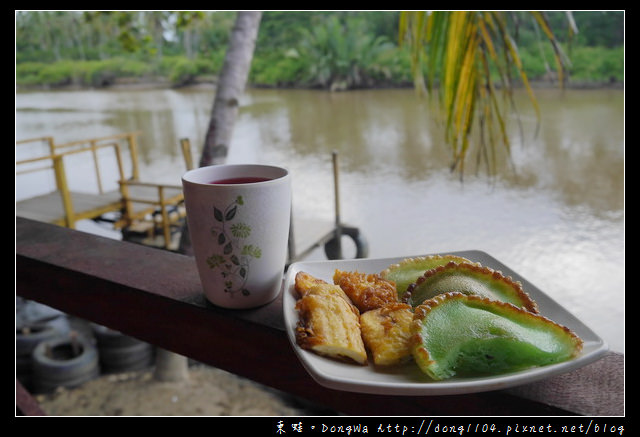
470 57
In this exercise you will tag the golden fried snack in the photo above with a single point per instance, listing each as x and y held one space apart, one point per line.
306 284
386 332
366 291
328 324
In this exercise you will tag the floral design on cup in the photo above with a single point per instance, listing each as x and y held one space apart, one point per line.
234 262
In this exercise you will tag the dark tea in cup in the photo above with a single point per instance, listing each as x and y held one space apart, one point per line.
240 180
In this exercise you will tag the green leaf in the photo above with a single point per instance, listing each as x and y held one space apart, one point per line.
240 230
218 215
231 213
215 261
252 251
464 53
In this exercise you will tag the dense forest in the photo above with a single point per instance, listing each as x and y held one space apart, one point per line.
294 49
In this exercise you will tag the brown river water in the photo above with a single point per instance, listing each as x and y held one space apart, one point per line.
556 216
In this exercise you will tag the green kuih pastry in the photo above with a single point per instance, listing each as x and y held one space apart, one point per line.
407 271
468 279
468 335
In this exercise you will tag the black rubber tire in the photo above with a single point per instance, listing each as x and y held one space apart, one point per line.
332 248
27 338
106 337
121 353
56 364
125 359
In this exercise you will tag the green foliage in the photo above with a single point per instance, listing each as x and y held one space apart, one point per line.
277 69
535 64
589 63
600 28
86 73
340 49
183 70
100 73
28 73
178 69
469 57
59 73
344 54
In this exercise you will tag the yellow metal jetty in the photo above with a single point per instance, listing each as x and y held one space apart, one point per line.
148 212
139 206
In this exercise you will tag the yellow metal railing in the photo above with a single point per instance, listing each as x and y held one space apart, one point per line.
55 158
167 197
148 207
90 145
93 144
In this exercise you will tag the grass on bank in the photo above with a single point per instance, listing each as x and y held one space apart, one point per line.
595 65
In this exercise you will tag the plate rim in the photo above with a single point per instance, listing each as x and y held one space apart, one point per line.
596 347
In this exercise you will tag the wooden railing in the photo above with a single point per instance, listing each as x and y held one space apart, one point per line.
156 296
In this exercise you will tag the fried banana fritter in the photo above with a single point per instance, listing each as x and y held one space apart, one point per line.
329 324
386 332
366 291
306 284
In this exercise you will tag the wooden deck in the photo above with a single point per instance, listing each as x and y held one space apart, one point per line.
308 234
49 208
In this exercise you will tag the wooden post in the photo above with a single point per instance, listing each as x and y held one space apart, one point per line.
336 190
170 366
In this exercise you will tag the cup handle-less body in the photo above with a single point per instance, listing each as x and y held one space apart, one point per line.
239 232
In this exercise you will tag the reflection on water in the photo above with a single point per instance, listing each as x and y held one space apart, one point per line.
556 216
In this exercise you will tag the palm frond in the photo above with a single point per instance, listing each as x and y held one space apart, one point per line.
470 56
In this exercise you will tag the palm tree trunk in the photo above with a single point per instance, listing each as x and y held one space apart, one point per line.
231 84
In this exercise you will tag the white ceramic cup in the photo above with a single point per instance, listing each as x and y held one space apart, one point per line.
239 231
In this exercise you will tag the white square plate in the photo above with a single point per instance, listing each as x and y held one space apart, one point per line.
408 379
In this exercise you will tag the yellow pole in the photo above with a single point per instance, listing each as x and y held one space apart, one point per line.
186 152
133 148
96 166
165 218
336 189
61 182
